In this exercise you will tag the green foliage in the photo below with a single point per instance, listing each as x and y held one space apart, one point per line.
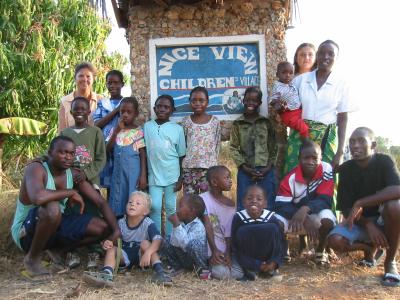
40 43
383 146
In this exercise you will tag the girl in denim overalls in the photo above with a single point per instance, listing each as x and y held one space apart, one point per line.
127 143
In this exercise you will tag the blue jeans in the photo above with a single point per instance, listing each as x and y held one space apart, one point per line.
156 193
268 183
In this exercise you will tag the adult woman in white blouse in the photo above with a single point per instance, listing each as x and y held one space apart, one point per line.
325 102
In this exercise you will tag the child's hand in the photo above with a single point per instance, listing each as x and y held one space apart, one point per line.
178 185
174 220
217 258
145 260
107 245
142 182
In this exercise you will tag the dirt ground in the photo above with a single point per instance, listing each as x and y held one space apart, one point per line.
301 279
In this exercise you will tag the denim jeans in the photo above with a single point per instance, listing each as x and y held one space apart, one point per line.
268 183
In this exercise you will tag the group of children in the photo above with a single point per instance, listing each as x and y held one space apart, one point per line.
206 227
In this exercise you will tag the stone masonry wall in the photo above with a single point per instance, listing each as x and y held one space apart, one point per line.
202 19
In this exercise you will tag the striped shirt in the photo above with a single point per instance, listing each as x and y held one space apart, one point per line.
145 230
289 94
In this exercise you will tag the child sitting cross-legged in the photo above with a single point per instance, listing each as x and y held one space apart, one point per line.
187 246
140 242
218 221
258 241
305 197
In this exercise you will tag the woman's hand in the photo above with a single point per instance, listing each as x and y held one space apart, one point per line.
336 161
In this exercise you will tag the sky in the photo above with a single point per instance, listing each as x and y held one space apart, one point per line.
367 32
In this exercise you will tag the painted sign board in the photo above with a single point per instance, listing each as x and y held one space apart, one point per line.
225 66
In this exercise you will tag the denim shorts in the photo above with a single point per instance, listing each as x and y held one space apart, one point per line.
357 233
131 253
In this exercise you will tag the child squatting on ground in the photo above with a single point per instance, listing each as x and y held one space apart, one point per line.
203 138
187 246
218 221
305 198
285 99
253 149
140 242
258 240
165 147
90 158
126 142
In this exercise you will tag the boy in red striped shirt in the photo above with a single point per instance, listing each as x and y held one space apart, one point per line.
305 198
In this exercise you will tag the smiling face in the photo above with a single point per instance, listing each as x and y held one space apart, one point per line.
80 111
254 201
198 102
84 79
361 145
185 212
326 56
309 160
305 59
114 86
137 206
163 109
251 103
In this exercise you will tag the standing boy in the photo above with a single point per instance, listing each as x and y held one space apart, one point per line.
90 158
305 198
368 196
252 146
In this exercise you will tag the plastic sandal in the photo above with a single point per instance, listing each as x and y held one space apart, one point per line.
321 258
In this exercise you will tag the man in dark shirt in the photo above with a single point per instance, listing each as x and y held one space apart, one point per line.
368 196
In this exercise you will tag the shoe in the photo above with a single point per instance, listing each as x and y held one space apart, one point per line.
93 260
171 272
98 279
73 260
161 279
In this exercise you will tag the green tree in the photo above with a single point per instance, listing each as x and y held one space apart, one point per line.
40 43
382 144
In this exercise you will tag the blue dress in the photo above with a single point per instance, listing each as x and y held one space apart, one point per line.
126 169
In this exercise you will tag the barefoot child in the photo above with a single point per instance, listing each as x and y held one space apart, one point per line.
140 242
258 240
203 138
285 99
106 118
305 197
165 147
187 246
218 221
127 143
253 148
90 158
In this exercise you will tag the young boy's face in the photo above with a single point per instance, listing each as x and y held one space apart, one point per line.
310 159
80 111
251 103
254 201
137 206
163 109
222 179
114 86
185 212
285 73
361 145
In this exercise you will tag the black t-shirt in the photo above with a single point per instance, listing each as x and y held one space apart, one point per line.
356 182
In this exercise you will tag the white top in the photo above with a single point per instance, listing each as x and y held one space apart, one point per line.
324 104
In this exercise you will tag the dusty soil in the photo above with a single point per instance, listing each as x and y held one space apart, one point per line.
301 279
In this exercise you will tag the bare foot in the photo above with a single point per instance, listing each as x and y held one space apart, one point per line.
56 257
34 267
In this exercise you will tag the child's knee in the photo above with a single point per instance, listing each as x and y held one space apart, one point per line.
144 245
338 243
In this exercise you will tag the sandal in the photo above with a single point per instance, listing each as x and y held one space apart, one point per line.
321 258
391 277
98 279
374 262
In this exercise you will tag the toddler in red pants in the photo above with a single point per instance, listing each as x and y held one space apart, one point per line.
285 99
